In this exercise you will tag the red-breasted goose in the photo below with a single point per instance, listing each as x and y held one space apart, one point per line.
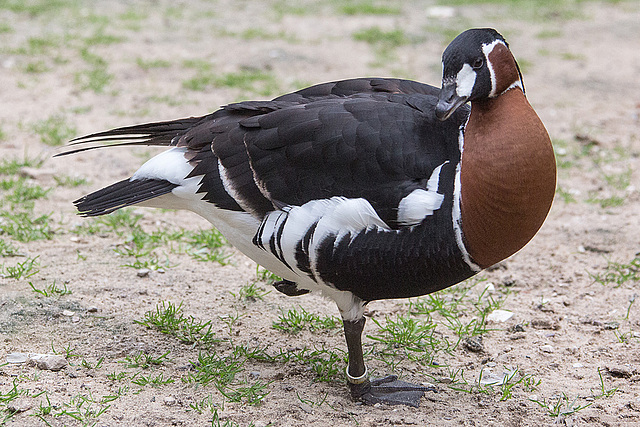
361 189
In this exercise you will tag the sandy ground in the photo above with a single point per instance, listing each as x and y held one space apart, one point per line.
579 338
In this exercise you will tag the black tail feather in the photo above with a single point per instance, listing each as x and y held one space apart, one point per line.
122 194
159 133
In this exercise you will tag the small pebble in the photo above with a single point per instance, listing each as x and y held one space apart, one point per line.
19 405
547 348
578 365
305 407
169 400
143 272
48 362
92 309
474 344
610 326
75 319
544 324
68 313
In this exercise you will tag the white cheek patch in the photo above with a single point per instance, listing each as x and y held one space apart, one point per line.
465 80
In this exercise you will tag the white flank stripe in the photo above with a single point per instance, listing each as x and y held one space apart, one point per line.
228 187
419 204
456 214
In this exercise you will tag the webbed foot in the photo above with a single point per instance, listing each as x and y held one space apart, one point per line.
388 390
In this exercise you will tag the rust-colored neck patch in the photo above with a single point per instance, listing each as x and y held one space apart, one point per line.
504 67
507 177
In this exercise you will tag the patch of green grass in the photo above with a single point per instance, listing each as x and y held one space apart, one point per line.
619 273
25 227
561 405
144 360
123 390
52 290
454 305
8 250
607 202
286 7
549 33
35 8
13 166
121 221
216 369
208 245
266 276
376 36
565 195
83 408
531 10
36 67
249 80
11 395
99 37
69 181
55 130
295 320
39 45
365 7
92 366
22 270
169 319
619 181
603 392
154 381
97 77
251 292
23 193
147 64
251 394
261 34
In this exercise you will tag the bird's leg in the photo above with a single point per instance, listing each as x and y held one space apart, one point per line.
289 288
389 389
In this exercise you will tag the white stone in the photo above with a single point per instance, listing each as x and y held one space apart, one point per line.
17 357
499 316
547 348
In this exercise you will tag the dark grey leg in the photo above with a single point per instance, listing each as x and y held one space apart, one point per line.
389 389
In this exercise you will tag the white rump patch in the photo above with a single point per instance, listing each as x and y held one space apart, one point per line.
172 166
420 203
465 80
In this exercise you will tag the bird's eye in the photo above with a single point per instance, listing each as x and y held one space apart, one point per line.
477 63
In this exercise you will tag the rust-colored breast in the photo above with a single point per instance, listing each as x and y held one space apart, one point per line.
507 177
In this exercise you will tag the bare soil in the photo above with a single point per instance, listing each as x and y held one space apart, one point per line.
581 63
